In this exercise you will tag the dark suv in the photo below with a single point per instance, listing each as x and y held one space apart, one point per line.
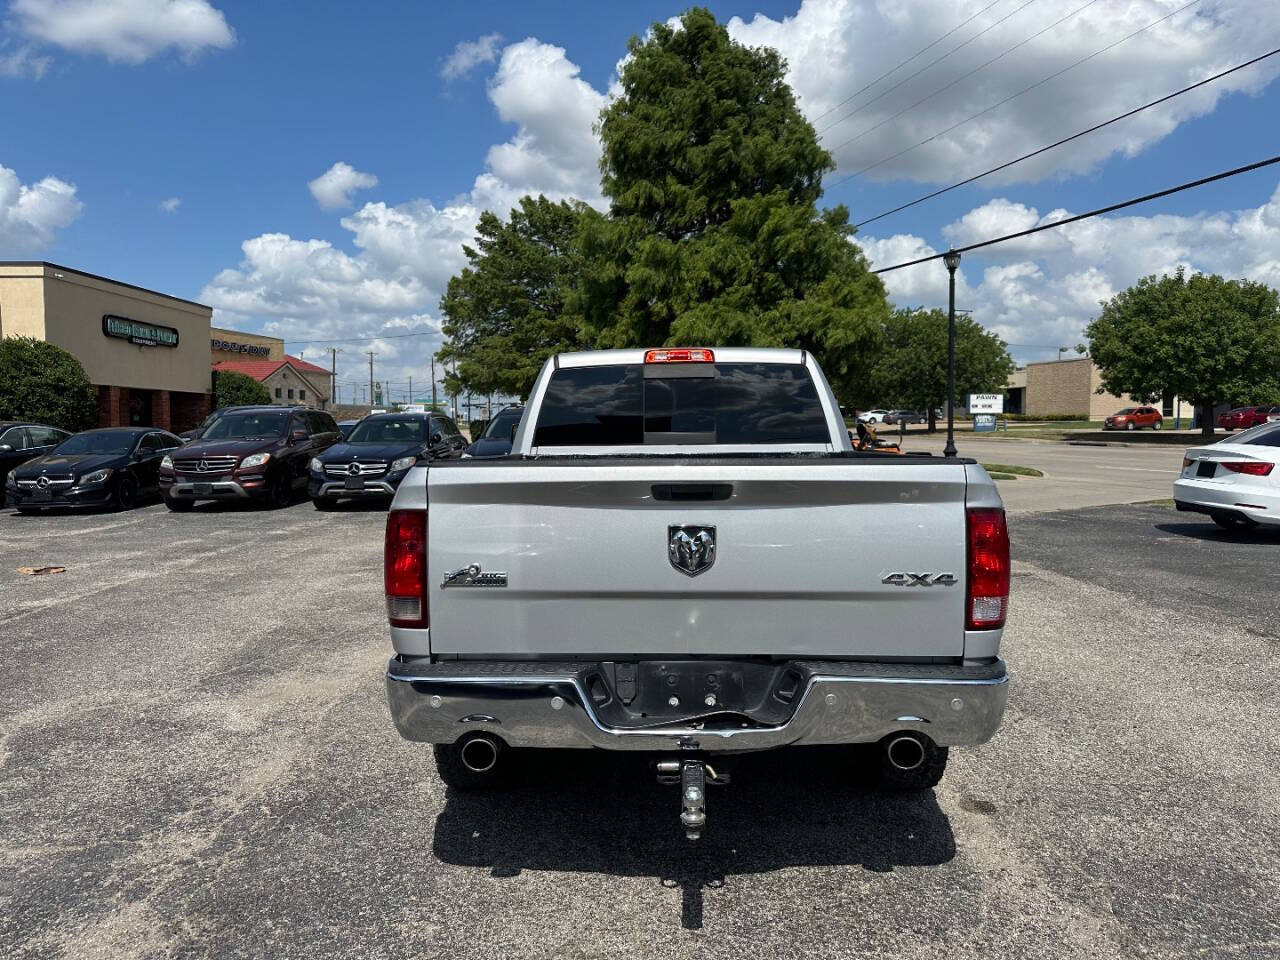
380 450
252 453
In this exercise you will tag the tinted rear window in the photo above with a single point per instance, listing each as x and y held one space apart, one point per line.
742 403
1267 435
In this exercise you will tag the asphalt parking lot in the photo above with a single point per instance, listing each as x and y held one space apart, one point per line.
196 760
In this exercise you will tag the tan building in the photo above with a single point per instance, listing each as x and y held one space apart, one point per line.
144 351
1063 387
237 345
289 380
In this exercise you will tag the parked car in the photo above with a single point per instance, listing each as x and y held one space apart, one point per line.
632 581
380 451
873 416
1134 418
1242 418
498 433
1236 482
346 426
257 454
113 466
905 416
20 442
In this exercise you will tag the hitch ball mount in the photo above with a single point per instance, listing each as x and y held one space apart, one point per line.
692 776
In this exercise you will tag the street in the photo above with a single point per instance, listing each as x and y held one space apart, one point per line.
198 761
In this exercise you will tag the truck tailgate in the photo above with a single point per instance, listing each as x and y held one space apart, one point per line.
803 547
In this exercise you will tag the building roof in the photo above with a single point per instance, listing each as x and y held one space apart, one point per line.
94 276
261 369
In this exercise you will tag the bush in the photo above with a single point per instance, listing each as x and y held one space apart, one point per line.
235 389
43 383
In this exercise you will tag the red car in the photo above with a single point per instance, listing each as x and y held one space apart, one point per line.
1242 418
1134 418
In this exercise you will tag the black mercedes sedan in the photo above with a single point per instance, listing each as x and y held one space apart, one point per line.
498 433
20 442
381 449
113 467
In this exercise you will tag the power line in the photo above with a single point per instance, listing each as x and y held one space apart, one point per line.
890 119
1014 96
1074 136
918 53
884 93
1092 213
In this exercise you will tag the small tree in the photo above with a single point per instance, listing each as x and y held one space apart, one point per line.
232 389
911 370
46 384
1201 338
505 313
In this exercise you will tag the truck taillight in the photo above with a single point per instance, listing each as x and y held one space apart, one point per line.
987 600
404 571
680 355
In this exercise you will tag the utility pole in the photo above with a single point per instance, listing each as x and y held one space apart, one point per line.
433 381
411 388
333 373
370 378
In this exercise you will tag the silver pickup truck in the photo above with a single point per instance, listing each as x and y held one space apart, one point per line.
685 556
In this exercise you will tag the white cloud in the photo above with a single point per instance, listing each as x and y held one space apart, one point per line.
130 31
171 205
31 214
1040 292
23 62
333 188
836 47
469 54
403 254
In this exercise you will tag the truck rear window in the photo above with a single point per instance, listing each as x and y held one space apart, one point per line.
684 403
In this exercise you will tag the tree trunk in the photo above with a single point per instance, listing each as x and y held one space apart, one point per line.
1206 419
933 422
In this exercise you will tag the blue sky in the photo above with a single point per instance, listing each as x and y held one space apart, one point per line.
233 109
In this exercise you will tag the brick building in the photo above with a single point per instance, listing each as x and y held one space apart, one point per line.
145 352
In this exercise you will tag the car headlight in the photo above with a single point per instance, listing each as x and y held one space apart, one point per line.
255 459
316 465
404 463
465 456
10 481
98 476
166 463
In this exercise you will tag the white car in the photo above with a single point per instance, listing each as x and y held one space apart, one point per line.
1236 482
873 416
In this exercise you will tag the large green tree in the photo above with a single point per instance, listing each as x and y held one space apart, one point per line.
713 236
911 370
42 382
1202 338
505 313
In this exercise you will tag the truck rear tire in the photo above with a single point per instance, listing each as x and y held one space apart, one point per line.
474 772
923 776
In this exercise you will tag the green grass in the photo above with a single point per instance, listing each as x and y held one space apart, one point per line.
1003 476
1004 470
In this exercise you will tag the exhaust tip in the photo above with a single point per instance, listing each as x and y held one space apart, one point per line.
905 752
479 754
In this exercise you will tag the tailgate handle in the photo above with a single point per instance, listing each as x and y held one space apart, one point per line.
691 492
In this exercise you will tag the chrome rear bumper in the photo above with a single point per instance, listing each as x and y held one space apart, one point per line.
547 705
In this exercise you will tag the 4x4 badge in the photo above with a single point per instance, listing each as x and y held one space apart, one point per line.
691 550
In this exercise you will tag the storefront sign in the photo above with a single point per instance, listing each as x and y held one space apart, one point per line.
143 334
984 423
986 403
253 349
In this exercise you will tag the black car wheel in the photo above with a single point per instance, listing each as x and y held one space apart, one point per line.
281 490
324 503
1234 521
1131 426
125 494
179 506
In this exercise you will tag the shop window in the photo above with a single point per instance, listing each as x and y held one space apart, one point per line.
302 394
277 393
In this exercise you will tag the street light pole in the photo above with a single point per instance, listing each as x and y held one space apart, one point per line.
952 260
